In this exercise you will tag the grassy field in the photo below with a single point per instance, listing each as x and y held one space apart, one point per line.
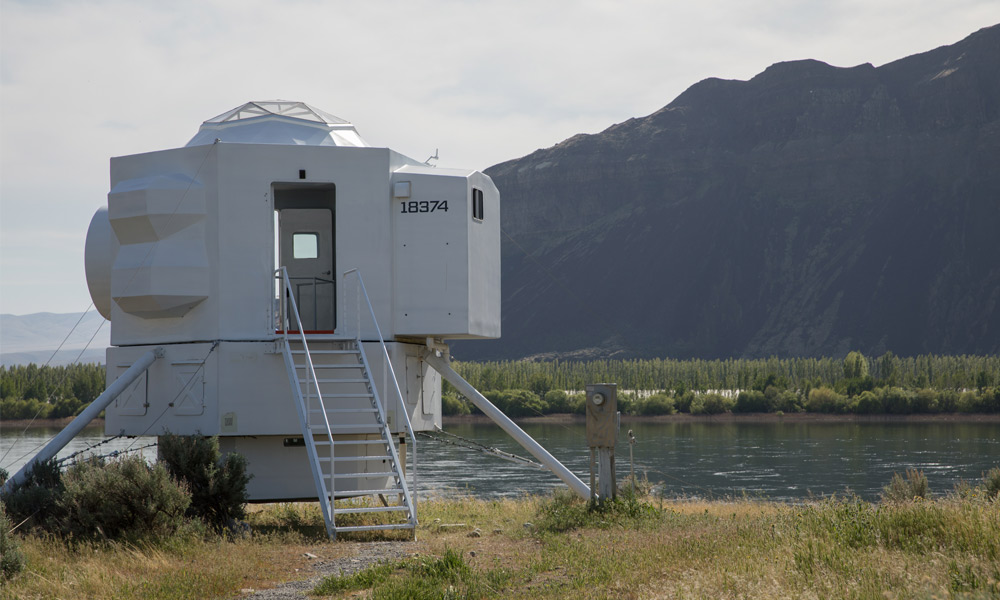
559 547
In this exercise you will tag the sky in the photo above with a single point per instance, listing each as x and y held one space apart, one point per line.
480 82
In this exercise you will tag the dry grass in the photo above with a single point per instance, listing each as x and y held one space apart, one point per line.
946 548
183 569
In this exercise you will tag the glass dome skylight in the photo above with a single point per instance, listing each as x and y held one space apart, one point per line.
297 110
278 122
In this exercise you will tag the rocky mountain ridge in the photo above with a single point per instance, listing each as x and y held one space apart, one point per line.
808 211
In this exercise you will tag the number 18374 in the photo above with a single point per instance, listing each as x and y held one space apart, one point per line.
424 206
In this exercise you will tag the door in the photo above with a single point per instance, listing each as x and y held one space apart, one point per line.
305 249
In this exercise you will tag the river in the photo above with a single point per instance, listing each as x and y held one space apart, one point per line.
786 461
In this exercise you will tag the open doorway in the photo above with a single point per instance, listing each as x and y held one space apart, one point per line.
305 218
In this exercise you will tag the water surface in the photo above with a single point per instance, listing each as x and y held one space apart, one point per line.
786 461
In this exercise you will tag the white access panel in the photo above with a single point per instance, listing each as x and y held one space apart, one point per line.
446 260
177 394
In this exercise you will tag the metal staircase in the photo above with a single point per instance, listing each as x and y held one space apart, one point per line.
347 434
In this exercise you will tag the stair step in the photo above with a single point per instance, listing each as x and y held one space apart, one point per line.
377 527
301 352
355 493
322 442
372 475
344 410
334 366
349 458
350 442
370 509
353 458
370 428
345 380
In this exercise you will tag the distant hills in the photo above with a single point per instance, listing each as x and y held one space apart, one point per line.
809 211
33 338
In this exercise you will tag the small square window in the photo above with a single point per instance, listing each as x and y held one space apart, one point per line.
305 245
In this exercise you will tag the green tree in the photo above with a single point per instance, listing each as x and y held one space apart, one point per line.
888 369
540 383
855 366
983 380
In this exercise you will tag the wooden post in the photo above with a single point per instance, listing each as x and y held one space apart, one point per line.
593 471
602 433
606 473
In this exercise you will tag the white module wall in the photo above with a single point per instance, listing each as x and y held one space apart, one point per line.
447 254
242 389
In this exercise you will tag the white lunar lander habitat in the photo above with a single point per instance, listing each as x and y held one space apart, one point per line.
283 285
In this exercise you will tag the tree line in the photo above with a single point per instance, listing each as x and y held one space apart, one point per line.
856 384
926 371
29 391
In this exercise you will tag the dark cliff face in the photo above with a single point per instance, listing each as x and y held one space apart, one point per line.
809 211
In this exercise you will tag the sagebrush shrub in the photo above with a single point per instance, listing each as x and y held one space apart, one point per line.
218 486
900 490
125 499
991 481
564 511
34 502
11 558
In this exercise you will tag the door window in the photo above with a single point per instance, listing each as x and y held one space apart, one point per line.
305 245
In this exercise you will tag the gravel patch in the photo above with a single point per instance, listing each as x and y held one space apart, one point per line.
359 556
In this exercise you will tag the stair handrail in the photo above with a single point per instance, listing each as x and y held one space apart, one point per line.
392 371
287 296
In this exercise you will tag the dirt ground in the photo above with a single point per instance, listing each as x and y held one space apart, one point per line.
358 556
